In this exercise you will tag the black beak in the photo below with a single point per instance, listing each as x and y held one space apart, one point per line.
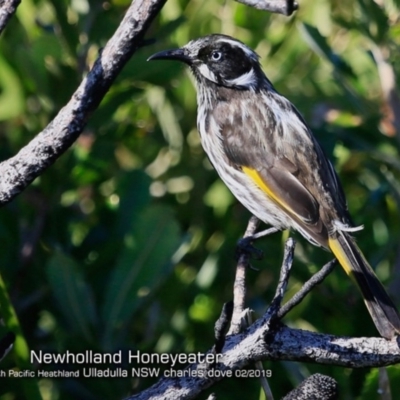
176 54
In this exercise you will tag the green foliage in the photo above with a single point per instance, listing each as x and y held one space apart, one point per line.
72 294
141 266
128 241
373 383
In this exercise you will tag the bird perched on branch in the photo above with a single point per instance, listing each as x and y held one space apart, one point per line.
266 154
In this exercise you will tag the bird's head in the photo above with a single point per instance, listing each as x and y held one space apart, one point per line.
219 59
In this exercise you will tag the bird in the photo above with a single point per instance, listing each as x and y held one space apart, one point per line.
266 154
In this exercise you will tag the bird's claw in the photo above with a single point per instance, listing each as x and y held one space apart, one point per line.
245 246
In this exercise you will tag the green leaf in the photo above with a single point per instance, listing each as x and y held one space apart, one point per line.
20 348
143 264
12 97
320 46
374 20
134 197
73 295
370 20
69 31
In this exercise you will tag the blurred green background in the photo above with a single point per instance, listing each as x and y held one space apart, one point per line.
128 241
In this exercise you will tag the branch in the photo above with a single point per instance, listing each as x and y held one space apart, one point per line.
7 10
32 160
239 286
221 326
306 288
283 276
264 342
285 7
268 339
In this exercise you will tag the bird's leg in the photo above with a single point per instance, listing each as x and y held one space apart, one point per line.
245 245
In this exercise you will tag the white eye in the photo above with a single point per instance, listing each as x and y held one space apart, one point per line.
216 55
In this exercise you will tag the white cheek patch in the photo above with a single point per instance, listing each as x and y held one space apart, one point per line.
207 73
247 80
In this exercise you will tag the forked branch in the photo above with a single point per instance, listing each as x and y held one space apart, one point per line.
269 339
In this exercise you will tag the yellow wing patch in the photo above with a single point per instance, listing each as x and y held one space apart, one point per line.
253 174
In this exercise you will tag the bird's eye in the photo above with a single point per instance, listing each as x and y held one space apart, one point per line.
216 55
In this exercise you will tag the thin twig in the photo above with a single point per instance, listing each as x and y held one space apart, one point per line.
283 276
306 288
6 344
239 287
221 326
264 381
258 365
277 300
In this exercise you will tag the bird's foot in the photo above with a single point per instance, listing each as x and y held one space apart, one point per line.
245 245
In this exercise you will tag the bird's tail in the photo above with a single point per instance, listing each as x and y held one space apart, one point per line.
380 306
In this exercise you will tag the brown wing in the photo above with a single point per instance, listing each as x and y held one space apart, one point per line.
293 198
288 164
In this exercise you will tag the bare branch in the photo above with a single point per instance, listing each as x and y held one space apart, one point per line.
268 339
7 10
263 341
239 287
19 171
284 275
285 7
306 288
221 326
